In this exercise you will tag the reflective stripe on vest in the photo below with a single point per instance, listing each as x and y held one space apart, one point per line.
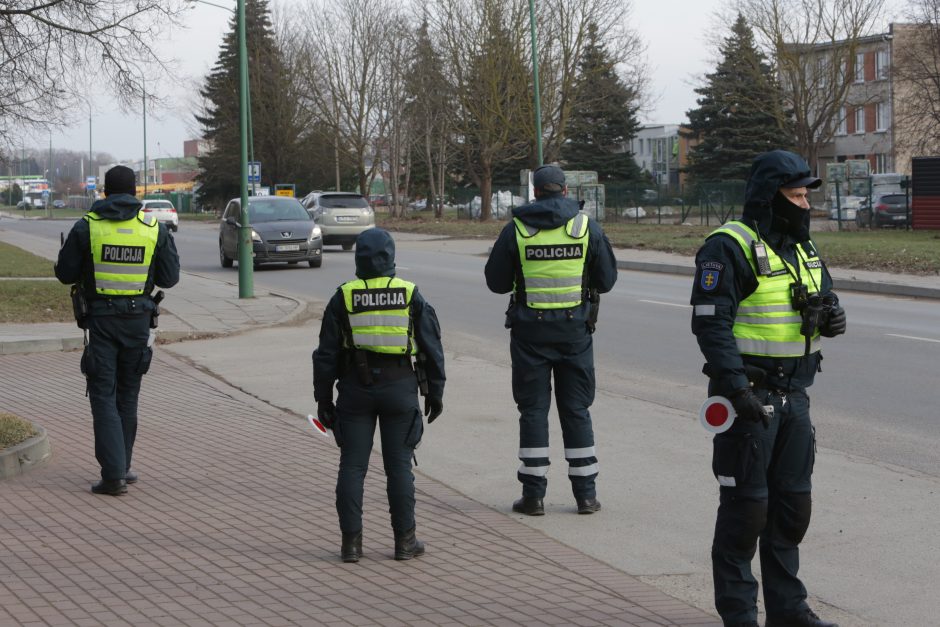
552 263
379 314
766 324
122 252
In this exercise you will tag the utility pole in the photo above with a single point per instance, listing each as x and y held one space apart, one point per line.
246 287
535 80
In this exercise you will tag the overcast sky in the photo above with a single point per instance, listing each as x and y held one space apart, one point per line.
677 33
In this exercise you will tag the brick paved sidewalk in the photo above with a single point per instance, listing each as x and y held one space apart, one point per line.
233 522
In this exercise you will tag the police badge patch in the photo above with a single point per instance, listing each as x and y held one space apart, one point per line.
710 275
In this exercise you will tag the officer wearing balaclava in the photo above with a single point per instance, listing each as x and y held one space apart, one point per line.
762 299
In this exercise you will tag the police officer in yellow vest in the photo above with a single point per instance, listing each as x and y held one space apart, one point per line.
380 342
115 255
554 260
762 297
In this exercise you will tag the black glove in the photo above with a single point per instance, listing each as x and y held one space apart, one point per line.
836 323
433 406
748 407
326 414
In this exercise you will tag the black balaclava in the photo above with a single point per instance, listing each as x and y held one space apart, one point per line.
789 218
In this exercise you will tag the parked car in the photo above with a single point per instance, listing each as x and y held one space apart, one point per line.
58 204
888 210
281 231
849 205
342 216
24 205
163 211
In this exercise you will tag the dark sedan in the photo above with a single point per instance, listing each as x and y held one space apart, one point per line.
281 231
889 210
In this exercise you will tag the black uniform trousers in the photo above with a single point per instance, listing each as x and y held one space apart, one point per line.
572 364
393 404
765 479
114 362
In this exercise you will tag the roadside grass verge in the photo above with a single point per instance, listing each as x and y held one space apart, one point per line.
25 301
16 262
14 430
908 252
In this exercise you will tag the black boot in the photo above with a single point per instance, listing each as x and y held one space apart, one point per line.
351 550
407 545
114 487
806 618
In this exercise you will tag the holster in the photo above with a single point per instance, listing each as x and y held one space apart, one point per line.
594 309
755 376
360 361
79 306
155 315
421 372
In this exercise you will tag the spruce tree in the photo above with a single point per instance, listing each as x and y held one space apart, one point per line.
604 120
740 113
276 123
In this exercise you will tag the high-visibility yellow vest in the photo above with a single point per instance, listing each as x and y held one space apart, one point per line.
379 312
122 252
552 263
766 323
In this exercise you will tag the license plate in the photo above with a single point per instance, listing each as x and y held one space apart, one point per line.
899 217
347 219
286 248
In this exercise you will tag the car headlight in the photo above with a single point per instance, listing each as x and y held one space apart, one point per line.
315 233
255 237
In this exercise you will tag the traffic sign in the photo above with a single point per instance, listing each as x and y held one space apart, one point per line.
90 182
254 171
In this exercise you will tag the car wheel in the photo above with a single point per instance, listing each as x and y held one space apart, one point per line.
315 263
348 246
225 261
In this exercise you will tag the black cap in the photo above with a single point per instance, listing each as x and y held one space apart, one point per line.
549 178
804 181
120 180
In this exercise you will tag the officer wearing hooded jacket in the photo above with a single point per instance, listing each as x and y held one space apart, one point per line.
762 297
372 328
552 258
116 255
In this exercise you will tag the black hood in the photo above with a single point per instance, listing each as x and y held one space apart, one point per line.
117 207
375 254
547 213
769 172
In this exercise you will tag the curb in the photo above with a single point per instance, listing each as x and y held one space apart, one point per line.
25 455
848 285
41 346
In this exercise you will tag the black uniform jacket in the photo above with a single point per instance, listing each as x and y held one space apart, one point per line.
737 280
375 257
75 264
503 266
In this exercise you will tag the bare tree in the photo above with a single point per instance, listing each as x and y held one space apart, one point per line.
485 62
916 75
52 50
812 44
346 43
563 27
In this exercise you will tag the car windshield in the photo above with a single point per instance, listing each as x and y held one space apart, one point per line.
160 204
343 201
274 210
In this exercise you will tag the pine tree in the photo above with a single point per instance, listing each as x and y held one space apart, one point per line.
276 123
605 119
739 113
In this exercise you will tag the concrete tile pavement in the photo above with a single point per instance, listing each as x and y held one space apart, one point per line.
232 522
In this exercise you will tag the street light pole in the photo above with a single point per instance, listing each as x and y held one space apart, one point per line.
245 263
535 80
143 84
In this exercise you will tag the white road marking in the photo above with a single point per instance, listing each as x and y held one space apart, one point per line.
659 302
913 337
